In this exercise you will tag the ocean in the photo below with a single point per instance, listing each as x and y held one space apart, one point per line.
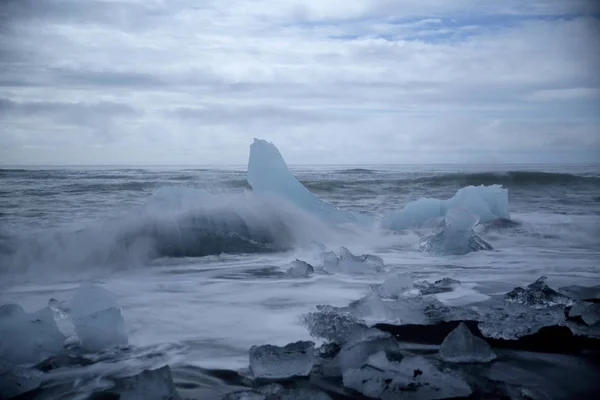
185 252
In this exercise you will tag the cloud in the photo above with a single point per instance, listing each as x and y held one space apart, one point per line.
186 82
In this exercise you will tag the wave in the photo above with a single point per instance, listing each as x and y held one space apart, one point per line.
509 179
174 222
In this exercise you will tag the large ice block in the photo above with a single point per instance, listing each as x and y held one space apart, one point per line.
97 317
486 202
268 174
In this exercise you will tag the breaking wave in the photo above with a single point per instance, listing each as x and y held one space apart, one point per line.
174 222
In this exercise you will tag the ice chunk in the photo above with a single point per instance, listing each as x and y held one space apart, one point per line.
348 263
356 352
331 324
396 285
268 174
97 317
443 285
582 293
411 378
588 312
486 202
274 362
28 338
456 236
299 269
537 295
15 380
149 384
461 346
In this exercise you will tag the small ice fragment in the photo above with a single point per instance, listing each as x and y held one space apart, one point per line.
149 384
15 380
274 362
331 324
355 353
299 269
396 285
441 286
411 378
97 317
350 264
461 346
272 390
589 312
28 338
537 295
456 235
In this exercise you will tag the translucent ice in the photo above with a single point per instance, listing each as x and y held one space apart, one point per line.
332 324
274 362
97 317
15 380
538 295
396 285
456 235
461 346
411 378
268 174
348 263
245 395
583 293
443 285
28 338
149 384
299 269
355 353
486 202
588 312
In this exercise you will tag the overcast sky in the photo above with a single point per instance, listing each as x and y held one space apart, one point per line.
328 81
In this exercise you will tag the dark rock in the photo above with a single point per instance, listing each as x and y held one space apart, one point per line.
15 380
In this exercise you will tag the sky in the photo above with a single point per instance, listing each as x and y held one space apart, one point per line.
186 82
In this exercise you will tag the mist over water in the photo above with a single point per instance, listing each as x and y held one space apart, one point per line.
193 256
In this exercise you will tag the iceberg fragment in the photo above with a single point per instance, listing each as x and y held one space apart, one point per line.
97 317
349 263
461 346
411 378
486 202
28 338
268 174
456 236
538 295
274 362
299 269
149 384
588 312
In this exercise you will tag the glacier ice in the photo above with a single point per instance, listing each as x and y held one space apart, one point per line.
538 295
299 269
274 362
268 174
149 384
15 380
486 202
97 317
349 263
461 346
411 378
355 352
456 235
28 338
588 312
